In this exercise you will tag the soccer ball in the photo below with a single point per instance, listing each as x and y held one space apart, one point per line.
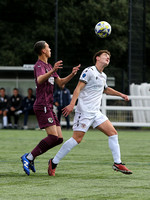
103 29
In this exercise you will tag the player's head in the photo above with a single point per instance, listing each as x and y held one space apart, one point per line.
30 91
41 47
99 53
15 91
2 92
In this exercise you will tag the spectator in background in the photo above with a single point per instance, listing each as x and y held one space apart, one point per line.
61 100
28 106
3 106
15 107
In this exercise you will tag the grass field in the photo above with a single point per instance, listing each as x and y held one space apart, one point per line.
85 173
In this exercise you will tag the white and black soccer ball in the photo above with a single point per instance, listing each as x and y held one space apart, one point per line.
103 29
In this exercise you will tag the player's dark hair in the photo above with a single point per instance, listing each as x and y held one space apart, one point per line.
2 88
99 53
30 89
16 89
38 47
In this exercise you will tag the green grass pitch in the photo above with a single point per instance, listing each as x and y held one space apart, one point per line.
85 173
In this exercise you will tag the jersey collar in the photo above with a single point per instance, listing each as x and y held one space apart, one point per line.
98 70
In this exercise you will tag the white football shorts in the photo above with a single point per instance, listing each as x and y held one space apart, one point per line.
83 123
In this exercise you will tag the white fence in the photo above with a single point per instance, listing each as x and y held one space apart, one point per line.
133 113
124 113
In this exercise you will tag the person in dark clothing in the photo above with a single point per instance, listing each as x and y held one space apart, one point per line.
61 100
15 106
3 106
28 106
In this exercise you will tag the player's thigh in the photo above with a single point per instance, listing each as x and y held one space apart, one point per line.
51 130
59 132
107 128
78 136
81 123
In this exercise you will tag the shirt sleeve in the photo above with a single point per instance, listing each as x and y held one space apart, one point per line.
39 70
85 75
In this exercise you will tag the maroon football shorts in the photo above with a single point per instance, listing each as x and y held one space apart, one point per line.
46 117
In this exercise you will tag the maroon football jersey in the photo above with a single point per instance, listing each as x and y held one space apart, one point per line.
44 91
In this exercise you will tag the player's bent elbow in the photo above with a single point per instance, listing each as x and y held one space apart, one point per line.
39 80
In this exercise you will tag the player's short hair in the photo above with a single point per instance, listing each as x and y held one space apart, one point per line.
38 47
30 89
99 53
16 89
2 88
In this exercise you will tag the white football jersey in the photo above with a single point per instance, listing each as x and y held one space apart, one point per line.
89 99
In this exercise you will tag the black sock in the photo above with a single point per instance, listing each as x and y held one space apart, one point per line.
53 165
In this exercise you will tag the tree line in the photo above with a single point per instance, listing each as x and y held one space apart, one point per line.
23 22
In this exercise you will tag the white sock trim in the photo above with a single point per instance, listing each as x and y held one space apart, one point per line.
30 156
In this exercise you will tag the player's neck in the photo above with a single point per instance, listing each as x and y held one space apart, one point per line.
43 59
99 68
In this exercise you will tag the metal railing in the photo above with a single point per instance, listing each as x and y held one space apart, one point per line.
125 114
135 115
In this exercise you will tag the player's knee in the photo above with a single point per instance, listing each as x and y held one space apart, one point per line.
78 136
60 140
78 140
114 133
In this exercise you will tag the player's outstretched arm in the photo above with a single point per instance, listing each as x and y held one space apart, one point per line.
113 92
62 81
42 78
68 109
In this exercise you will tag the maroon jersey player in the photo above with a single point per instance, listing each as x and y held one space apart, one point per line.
45 76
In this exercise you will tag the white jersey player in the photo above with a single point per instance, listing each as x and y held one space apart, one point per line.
89 99
92 84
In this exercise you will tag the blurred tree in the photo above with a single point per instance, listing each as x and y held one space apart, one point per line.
147 40
23 22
